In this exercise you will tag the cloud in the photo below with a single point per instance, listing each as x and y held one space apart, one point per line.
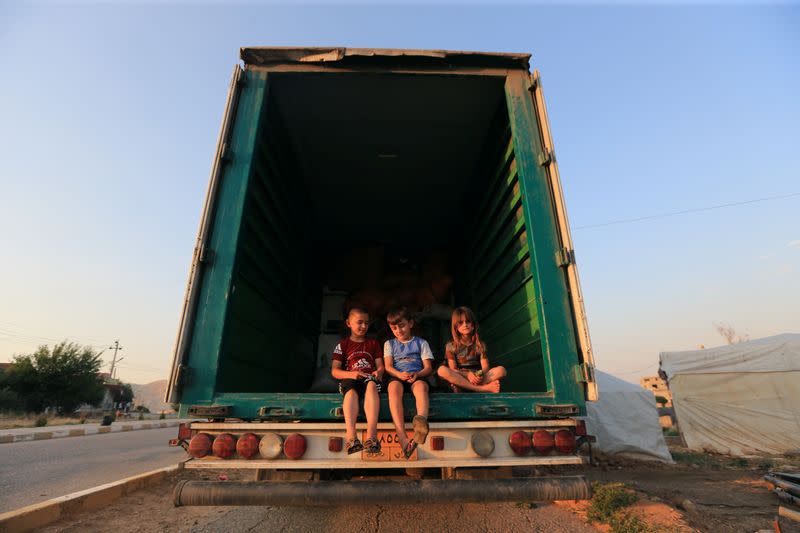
793 244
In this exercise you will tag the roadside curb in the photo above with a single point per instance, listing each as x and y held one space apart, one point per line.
47 512
81 432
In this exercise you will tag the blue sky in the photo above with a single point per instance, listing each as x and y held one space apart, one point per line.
110 115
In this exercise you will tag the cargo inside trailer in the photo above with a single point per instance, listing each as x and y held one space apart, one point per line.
381 189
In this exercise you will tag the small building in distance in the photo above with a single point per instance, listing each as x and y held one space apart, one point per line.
658 386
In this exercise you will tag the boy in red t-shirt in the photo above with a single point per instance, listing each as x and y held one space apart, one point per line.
358 364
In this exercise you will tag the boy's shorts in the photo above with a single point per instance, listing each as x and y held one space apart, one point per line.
358 385
406 385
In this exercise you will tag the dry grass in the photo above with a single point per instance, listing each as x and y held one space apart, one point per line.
29 421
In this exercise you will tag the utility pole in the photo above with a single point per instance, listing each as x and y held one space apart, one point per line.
116 348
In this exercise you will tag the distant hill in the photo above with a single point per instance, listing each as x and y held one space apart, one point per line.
151 395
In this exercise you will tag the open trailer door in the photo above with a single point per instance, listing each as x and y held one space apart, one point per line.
558 286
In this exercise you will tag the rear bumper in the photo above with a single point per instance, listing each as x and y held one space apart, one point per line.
330 493
456 451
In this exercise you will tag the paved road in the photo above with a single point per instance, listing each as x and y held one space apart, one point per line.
31 472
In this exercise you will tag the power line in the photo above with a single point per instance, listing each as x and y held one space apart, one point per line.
7 329
687 211
636 371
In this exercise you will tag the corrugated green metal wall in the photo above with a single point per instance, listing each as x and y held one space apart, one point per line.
273 318
498 274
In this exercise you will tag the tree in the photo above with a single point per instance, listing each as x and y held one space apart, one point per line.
62 378
122 393
729 334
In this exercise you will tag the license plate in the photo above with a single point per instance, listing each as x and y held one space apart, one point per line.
390 447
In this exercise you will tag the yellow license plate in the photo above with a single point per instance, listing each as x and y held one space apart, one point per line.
390 447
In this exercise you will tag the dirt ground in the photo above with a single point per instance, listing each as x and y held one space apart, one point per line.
698 493
151 509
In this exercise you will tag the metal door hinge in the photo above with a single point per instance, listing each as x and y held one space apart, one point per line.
584 373
546 158
565 257
279 412
184 375
210 411
565 409
225 153
206 255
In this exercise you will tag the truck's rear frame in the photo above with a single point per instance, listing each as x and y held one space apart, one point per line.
566 353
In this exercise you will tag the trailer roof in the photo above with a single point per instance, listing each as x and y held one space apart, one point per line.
264 56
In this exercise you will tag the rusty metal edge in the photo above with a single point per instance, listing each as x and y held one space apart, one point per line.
266 55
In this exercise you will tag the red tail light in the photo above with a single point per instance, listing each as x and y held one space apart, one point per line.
184 433
294 446
565 441
200 445
580 429
224 446
520 442
543 442
247 446
437 443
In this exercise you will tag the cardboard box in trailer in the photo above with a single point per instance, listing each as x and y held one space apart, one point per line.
422 178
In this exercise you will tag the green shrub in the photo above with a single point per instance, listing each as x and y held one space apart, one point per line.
608 499
622 522
41 421
739 462
162 416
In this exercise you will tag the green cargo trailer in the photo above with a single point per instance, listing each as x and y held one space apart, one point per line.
327 151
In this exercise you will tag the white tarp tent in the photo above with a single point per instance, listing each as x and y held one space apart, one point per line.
740 399
625 420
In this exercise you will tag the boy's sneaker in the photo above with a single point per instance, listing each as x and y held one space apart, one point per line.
420 424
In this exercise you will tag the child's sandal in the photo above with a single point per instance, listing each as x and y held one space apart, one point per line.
373 446
353 446
408 451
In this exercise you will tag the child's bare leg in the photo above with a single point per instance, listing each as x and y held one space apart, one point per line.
396 407
371 407
420 422
420 391
455 377
494 374
350 408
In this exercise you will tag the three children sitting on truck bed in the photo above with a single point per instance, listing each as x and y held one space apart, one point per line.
358 364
